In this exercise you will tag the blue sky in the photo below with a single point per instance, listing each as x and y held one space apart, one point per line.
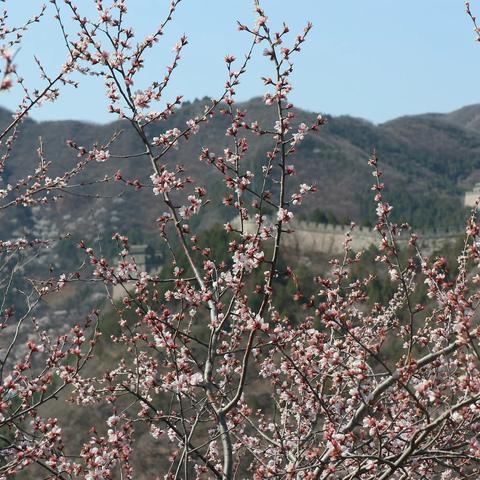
376 59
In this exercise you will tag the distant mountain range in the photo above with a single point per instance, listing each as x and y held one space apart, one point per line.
428 162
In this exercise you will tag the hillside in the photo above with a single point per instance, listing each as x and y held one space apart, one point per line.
428 161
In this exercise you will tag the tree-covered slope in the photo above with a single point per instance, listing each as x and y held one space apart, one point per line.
428 161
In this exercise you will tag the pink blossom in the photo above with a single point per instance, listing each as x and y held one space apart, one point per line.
284 215
101 155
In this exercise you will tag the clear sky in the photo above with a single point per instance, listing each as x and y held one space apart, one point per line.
376 59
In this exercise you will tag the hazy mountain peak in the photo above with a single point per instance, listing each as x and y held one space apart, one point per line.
466 117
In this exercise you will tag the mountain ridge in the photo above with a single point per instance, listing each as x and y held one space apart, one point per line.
428 161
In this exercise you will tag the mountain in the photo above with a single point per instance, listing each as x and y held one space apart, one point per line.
428 161
466 117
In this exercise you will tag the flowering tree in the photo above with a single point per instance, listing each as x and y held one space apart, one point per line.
225 384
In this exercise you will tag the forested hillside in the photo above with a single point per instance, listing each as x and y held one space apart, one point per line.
429 160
